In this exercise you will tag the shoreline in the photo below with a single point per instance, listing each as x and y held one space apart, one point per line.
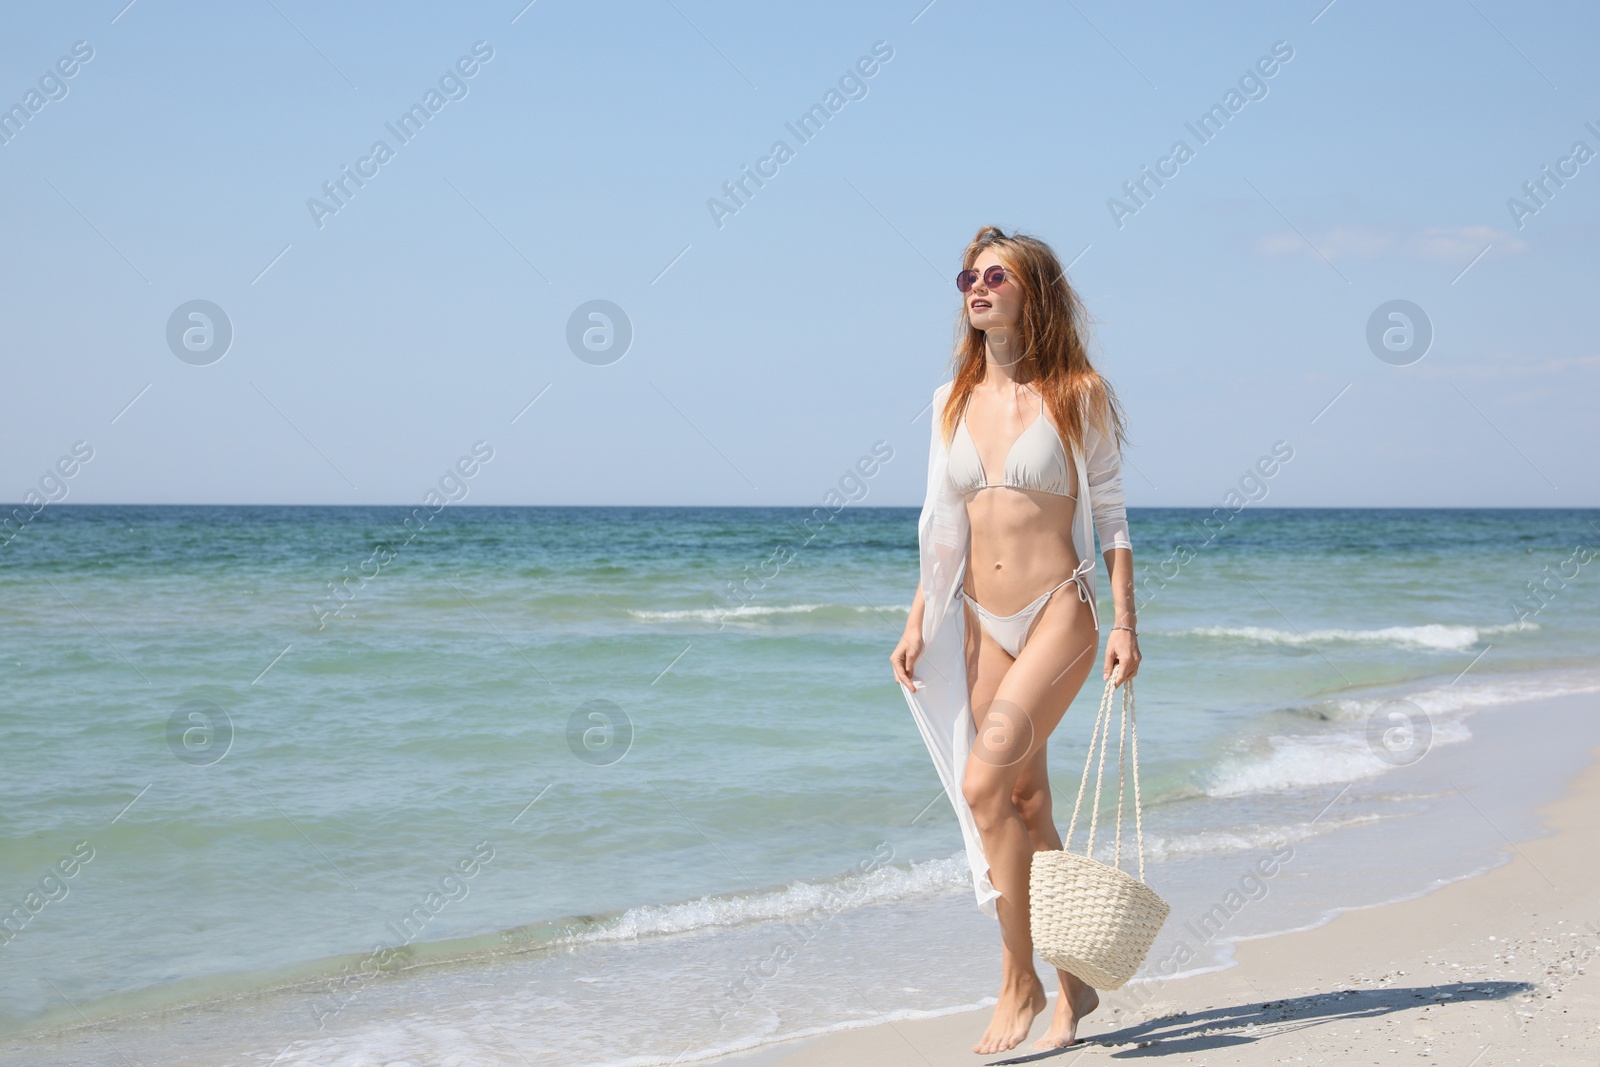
1427 975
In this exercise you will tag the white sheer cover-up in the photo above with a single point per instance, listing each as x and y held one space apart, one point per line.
939 700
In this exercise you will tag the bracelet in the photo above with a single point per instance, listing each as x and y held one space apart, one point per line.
1130 629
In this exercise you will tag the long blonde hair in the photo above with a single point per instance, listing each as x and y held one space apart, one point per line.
1052 335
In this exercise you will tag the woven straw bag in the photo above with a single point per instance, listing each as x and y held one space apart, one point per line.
1092 920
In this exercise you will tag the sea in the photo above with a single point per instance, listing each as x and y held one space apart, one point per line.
635 785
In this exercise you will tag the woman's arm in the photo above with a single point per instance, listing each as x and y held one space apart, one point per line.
941 524
904 657
1104 469
1122 646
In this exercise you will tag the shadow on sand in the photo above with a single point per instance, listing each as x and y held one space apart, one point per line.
1186 1033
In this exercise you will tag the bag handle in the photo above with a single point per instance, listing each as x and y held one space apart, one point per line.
1129 724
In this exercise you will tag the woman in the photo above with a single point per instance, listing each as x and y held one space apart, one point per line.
1025 458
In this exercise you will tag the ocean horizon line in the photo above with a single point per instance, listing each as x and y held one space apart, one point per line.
798 507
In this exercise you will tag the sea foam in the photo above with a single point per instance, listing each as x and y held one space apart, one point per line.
1297 761
1439 636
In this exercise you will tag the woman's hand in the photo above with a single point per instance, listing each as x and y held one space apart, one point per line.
904 656
1122 656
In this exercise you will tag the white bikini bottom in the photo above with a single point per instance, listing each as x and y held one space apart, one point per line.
1011 631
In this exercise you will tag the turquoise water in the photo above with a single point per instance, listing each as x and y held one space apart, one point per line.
638 768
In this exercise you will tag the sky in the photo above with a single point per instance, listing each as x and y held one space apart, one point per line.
192 303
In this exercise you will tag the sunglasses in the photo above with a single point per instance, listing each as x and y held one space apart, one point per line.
994 278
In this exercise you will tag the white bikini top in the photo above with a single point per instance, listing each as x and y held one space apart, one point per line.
1037 460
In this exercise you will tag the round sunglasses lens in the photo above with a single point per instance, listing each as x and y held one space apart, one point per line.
994 277
965 279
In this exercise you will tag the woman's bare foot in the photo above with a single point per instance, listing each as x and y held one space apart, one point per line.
1074 1002
1013 1015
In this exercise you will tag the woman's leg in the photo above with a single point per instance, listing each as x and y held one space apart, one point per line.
1021 993
1034 804
1015 716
